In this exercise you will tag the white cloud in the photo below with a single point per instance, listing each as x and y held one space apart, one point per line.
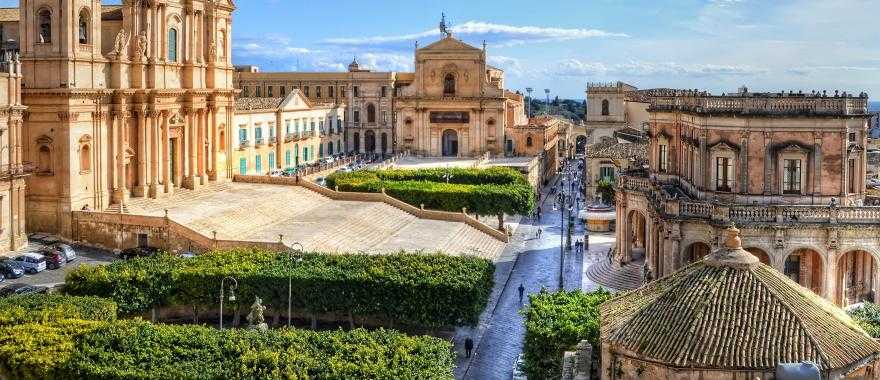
510 65
386 62
499 34
270 47
806 70
577 68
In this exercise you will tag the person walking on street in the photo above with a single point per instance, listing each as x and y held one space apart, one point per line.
522 290
468 346
539 232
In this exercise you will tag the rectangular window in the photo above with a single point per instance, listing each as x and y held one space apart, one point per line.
258 164
258 133
385 117
296 122
283 91
287 158
384 91
356 91
330 91
271 131
342 91
287 126
257 92
606 173
271 160
269 91
851 175
852 137
357 116
242 135
791 177
242 166
317 91
306 91
722 174
664 158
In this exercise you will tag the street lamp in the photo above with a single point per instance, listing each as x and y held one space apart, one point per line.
529 91
297 249
232 288
547 92
560 200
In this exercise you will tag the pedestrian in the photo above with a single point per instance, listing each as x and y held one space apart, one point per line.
522 290
539 232
468 346
587 242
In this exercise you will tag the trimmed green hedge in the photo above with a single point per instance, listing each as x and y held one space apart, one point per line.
482 191
868 317
555 323
52 307
430 290
76 349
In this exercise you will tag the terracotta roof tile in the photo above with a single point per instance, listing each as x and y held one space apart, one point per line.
725 317
250 104
8 14
613 149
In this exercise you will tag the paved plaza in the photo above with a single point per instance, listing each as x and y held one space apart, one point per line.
261 212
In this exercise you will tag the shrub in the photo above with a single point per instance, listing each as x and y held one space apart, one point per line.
431 290
141 350
491 191
51 307
868 317
555 323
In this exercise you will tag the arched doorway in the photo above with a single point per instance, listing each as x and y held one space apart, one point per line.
357 142
696 252
636 234
370 141
804 266
450 143
856 272
580 144
760 254
384 141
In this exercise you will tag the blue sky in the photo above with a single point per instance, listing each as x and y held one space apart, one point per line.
716 45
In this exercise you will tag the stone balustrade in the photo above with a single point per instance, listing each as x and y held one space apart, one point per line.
781 105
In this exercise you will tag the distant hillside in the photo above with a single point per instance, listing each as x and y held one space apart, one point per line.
573 109
873 106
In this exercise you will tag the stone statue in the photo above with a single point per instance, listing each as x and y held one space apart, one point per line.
121 42
212 52
143 43
255 317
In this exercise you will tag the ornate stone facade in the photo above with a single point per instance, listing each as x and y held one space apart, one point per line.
789 169
127 100
13 168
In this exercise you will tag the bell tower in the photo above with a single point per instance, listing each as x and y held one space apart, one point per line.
58 41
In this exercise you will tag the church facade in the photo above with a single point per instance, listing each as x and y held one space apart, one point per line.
456 105
123 101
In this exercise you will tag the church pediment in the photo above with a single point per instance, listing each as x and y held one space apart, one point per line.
448 44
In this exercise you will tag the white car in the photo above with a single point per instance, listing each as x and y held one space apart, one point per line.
276 173
32 262
873 182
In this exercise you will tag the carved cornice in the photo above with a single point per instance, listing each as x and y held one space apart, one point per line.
66 116
99 115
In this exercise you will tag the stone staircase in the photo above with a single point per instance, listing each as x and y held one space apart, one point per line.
116 209
627 277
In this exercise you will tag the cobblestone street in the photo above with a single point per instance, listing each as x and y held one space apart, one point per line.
534 263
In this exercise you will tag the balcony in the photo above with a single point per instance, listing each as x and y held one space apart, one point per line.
242 144
10 171
289 137
258 142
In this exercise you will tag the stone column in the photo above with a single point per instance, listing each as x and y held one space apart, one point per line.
214 142
829 286
817 164
200 145
768 164
166 153
142 155
119 191
744 163
844 170
155 149
704 160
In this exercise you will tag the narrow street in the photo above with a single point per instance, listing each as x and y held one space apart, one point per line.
534 264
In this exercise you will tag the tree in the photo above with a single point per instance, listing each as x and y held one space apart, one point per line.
605 187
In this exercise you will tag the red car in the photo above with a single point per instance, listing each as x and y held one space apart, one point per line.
54 259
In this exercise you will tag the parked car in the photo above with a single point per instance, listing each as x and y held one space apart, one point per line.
11 269
19 289
32 262
54 259
66 250
276 173
138 252
321 181
186 255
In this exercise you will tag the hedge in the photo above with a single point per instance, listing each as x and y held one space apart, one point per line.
76 349
555 323
428 290
491 191
50 307
868 317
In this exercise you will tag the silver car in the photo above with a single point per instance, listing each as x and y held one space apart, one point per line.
66 251
32 263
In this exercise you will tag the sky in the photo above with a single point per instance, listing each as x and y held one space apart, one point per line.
715 45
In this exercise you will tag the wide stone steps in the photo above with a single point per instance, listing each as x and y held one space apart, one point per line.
627 277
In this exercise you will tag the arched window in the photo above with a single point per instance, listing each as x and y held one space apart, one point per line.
529 140
84 21
605 107
371 113
222 48
449 84
222 138
172 45
85 159
44 20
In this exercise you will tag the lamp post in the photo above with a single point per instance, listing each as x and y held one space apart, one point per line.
296 249
547 92
232 288
560 201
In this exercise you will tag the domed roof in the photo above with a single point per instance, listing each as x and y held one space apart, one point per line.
731 312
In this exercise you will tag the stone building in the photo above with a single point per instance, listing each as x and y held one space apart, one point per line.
537 138
787 167
13 166
729 317
123 101
611 107
625 150
367 96
284 133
